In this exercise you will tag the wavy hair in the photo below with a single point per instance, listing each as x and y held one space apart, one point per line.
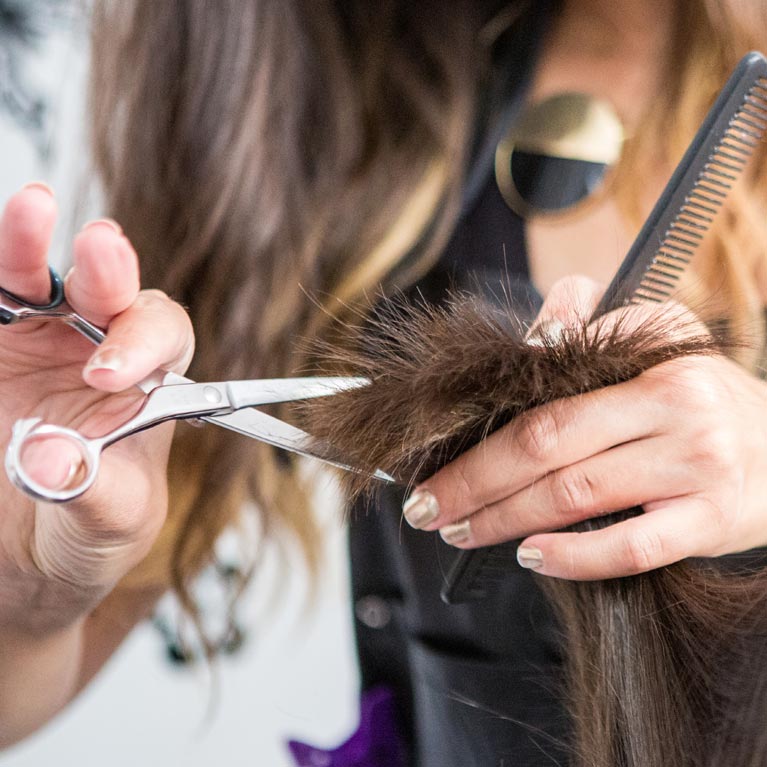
276 161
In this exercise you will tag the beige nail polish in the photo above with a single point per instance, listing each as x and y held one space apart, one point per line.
105 222
420 509
104 359
41 185
529 557
456 533
548 333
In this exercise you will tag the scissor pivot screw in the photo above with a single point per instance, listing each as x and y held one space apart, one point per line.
212 395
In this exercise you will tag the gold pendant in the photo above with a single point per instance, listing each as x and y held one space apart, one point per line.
558 155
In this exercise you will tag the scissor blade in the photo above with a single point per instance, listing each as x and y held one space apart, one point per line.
258 425
269 391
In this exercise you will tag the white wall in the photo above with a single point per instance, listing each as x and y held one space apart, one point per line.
294 677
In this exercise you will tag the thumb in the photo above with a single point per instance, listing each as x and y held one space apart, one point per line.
570 302
93 541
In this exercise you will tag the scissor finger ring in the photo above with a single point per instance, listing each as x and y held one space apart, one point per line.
29 431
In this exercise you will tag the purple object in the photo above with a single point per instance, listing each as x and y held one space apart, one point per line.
376 743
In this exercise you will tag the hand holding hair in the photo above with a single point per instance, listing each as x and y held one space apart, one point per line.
685 440
666 667
507 439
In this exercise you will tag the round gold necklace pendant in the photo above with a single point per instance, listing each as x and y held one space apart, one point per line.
558 155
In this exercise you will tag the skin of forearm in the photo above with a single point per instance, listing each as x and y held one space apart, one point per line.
39 675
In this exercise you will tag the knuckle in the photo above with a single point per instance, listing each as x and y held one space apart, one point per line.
719 518
538 434
155 305
463 487
572 491
492 525
571 566
151 297
453 486
715 450
119 528
684 388
569 557
643 551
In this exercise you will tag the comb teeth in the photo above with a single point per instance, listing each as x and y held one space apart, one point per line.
722 168
717 156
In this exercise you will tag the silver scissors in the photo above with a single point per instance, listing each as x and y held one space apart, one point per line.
170 397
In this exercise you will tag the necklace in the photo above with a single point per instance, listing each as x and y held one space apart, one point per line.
558 155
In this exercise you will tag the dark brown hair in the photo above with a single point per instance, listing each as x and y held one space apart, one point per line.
664 668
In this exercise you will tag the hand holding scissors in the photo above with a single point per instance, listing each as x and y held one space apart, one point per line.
66 558
171 397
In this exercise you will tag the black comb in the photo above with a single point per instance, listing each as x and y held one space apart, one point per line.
732 129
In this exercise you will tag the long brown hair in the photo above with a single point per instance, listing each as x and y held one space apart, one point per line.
266 157
275 160
665 668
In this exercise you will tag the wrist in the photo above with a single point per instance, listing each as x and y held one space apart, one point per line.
40 675
30 636
39 608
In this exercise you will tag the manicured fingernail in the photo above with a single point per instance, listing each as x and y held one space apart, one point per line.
113 225
104 359
456 533
68 479
41 185
546 334
529 557
53 463
420 509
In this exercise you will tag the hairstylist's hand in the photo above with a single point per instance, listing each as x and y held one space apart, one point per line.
686 440
57 562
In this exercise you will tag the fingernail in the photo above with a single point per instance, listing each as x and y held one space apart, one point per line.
41 185
104 359
47 462
456 533
529 557
113 225
420 509
546 334
68 479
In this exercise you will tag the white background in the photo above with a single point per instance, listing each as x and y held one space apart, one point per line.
295 676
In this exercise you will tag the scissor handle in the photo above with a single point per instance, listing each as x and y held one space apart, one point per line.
55 299
30 430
